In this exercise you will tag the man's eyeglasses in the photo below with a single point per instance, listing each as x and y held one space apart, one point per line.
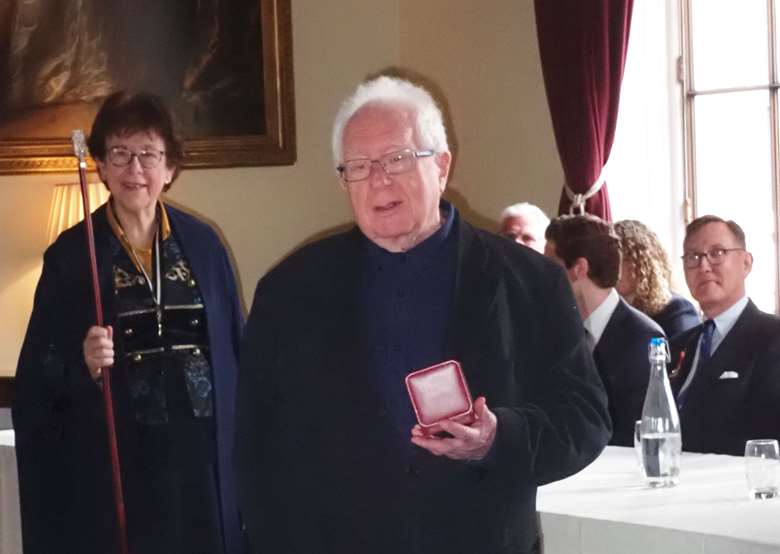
393 164
715 256
121 156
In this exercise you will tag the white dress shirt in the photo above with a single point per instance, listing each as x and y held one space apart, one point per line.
723 324
597 321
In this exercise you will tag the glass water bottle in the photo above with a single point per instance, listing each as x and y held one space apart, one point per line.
660 427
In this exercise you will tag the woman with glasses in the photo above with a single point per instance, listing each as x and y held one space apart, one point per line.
645 279
173 324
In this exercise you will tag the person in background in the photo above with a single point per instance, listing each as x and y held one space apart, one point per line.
173 326
525 223
329 456
726 372
645 279
589 250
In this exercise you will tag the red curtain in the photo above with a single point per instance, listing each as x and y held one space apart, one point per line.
583 46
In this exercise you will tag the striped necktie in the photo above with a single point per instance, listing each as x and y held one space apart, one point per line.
705 352
705 346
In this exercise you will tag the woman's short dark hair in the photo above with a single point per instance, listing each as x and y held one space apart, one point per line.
590 237
125 113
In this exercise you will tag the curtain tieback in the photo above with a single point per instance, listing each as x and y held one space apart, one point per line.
578 199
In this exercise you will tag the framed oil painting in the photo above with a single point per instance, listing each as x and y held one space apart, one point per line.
223 67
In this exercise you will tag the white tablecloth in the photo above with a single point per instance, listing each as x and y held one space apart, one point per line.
10 522
606 509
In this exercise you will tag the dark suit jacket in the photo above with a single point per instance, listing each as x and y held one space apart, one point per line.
677 316
64 471
622 360
321 468
721 414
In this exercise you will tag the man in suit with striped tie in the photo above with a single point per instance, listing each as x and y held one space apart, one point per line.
726 377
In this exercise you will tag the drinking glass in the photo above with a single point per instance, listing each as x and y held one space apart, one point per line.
762 464
638 444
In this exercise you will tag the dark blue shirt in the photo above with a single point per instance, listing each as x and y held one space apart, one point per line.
405 301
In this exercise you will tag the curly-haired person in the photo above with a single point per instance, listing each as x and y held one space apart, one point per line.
645 279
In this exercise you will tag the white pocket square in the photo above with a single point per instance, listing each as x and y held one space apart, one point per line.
729 375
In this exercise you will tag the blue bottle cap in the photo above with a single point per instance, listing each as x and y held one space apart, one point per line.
658 349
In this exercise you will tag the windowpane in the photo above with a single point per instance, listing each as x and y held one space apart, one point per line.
729 43
733 177
777 41
644 173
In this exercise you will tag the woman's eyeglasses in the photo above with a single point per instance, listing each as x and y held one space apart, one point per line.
121 156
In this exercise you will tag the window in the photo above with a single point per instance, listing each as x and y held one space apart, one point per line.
730 101
698 126
645 168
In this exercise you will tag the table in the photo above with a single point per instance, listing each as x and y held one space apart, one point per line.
10 521
606 509
603 509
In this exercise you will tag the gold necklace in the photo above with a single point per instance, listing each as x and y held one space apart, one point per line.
156 291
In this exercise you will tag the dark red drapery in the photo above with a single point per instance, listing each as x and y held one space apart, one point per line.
582 44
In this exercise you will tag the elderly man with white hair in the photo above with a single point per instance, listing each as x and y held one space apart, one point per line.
331 459
525 224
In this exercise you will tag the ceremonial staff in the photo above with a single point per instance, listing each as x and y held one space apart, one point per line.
80 151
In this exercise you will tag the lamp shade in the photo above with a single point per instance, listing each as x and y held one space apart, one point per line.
66 206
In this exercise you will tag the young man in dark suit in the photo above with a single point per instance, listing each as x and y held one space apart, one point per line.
726 375
590 251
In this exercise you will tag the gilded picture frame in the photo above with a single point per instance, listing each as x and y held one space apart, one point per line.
224 67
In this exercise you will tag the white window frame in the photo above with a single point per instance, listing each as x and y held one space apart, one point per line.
689 95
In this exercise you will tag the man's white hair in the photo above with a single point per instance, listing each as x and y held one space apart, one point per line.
393 91
526 209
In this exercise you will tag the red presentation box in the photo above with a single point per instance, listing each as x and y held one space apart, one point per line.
438 393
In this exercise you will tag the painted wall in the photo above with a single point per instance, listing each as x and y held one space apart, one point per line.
485 60
485 57
262 212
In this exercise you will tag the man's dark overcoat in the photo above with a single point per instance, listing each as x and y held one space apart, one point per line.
322 468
